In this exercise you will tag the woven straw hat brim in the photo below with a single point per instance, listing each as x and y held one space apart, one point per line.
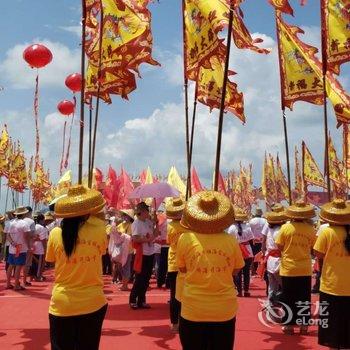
174 215
212 219
336 216
2 218
79 201
129 212
301 213
21 212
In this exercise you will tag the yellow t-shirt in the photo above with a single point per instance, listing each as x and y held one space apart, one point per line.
78 287
175 230
210 259
335 271
297 239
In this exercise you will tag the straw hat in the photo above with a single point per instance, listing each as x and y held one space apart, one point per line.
336 212
208 212
277 215
78 202
21 211
128 212
2 218
241 215
300 210
49 216
175 208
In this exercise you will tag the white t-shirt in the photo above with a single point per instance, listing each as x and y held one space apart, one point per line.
42 233
143 229
273 263
7 231
30 222
18 230
246 236
256 225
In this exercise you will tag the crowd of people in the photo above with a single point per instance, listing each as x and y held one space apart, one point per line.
205 251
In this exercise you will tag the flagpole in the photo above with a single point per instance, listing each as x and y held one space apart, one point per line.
303 169
97 108
82 94
325 113
192 134
286 142
90 136
188 182
223 98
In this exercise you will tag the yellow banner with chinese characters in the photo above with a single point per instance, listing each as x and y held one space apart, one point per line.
282 188
209 89
335 172
298 179
4 151
301 74
311 173
336 25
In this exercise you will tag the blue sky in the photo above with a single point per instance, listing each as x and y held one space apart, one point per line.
148 129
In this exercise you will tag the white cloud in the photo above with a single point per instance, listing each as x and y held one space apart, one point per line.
76 30
16 72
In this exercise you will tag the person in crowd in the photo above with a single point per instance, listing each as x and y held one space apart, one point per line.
50 221
120 239
318 264
272 255
174 210
19 240
209 257
295 241
332 247
78 305
257 224
9 219
107 266
2 237
30 222
39 248
144 232
164 249
241 230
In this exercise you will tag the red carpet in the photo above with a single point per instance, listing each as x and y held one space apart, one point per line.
24 322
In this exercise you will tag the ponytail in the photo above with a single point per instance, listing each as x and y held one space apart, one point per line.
347 239
239 224
70 230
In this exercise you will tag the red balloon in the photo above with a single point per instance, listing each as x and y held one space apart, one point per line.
37 55
73 82
66 107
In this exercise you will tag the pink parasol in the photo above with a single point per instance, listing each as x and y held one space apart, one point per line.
159 190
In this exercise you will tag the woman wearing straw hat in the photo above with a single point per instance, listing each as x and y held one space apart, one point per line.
209 257
78 305
19 239
275 219
244 235
174 210
333 248
295 241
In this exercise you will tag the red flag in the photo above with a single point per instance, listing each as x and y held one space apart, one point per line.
125 188
111 190
221 184
195 182
282 5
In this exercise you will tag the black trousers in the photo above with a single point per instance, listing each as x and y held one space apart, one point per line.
256 247
163 268
106 264
141 282
81 332
296 294
245 275
175 305
207 335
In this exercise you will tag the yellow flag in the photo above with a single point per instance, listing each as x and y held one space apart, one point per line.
298 179
335 21
335 173
209 89
269 181
4 151
175 180
301 74
64 183
311 173
282 188
17 174
149 176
